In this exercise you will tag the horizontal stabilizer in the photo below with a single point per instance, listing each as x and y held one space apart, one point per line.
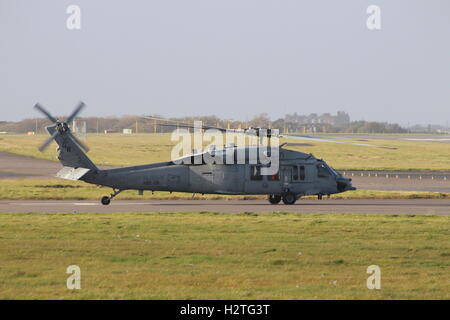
70 173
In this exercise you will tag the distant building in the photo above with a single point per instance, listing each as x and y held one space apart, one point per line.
79 127
127 131
340 119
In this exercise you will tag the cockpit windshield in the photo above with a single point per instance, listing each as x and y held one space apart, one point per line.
333 172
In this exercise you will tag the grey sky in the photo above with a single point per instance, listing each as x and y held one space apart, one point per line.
232 58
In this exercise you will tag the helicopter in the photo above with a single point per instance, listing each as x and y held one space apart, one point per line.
297 174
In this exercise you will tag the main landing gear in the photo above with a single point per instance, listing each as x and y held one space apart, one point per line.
107 199
288 198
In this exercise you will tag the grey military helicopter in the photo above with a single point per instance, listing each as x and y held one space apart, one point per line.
299 174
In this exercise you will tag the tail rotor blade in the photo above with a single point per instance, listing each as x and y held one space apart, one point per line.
77 110
48 141
42 110
81 144
62 128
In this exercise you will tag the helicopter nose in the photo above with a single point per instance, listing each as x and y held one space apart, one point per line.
344 184
349 185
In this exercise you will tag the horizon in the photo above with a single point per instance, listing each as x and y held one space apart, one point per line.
248 119
243 121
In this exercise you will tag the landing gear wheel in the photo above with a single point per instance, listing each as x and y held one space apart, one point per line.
289 198
274 199
106 200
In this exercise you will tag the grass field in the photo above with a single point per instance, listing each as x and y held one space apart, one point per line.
223 256
57 189
122 150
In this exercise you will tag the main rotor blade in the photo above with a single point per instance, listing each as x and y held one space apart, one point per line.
301 137
174 123
159 119
42 110
77 141
48 141
183 125
77 110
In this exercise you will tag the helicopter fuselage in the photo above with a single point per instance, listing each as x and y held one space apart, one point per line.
299 173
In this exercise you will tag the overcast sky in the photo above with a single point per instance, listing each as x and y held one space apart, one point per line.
231 58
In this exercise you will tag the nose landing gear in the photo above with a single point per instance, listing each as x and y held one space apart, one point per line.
107 199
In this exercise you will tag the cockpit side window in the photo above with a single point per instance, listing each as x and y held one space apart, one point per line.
322 171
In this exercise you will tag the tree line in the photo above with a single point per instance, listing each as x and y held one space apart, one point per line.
292 123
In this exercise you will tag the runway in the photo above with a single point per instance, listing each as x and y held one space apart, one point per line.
408 206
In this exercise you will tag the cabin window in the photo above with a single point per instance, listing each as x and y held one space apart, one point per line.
298 173
302 172
255 173
322 171
294 173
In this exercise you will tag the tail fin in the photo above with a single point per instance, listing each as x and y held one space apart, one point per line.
69 153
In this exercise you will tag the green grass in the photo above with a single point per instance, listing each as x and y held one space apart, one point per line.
58 189
106 149
223 256
122 150
409 155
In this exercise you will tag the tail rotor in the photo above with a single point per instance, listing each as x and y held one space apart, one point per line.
62 127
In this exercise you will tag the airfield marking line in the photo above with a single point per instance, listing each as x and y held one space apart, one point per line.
36 203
